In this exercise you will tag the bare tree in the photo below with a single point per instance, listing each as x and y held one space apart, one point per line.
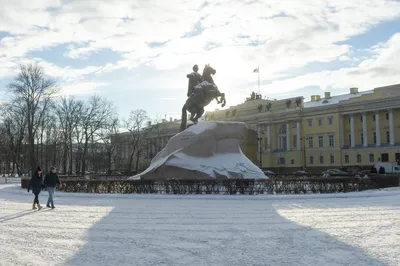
107 136
36 91
135 124
95 116
69 113
13 130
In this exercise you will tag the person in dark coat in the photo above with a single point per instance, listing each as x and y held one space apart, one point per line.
51 180
35 183
374 170
382 170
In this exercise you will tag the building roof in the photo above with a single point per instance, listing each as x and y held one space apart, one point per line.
335 99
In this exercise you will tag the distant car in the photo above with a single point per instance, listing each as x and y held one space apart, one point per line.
268 172
116 173
300 173
361 172
334 172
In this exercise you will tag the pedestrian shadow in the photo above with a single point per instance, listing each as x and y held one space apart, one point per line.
209 232
20 215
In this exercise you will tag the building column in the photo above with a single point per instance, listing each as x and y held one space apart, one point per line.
298 137
341 134
288 136
365 132
378 129
391 127
352 134
269 137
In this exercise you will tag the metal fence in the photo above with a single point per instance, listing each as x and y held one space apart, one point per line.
294 185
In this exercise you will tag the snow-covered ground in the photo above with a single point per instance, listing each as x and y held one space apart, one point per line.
87 229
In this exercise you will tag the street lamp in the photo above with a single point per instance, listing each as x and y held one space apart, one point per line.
304 152
259 150
259 138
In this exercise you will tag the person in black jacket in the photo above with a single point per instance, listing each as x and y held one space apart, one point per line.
51 180
35 183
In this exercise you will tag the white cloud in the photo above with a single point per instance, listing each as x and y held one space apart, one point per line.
234 36
80 88
380 70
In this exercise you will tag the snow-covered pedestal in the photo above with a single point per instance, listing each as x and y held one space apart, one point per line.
208 150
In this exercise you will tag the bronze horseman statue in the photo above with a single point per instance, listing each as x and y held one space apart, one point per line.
201 91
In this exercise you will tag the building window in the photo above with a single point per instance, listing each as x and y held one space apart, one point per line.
374 134
310 123
387 136
321 159
320 141
349 119
282 143
292 161
311 160
358 158
330 120
319 122
310 142
371 158
387 116
266 143
332 159
331 141
362 138
373 117
346 159
349 139
361 119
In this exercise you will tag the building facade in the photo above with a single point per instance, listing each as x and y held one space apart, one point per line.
352 130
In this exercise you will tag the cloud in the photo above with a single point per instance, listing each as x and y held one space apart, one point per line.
168 37
379 70
80 88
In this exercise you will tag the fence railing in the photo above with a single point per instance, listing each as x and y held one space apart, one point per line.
294 185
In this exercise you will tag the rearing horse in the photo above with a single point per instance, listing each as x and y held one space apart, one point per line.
202 96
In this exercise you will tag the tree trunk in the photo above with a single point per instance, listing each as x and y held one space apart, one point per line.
41 148
65 157
83 162
31 155
130 162
137 160
70 157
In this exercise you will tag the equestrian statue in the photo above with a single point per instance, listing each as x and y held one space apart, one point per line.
201 91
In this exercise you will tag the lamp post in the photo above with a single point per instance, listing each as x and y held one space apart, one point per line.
304 153
260 150
259 138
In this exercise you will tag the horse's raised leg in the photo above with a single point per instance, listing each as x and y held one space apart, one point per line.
192 117
199 113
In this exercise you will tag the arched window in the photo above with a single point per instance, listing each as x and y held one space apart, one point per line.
281 161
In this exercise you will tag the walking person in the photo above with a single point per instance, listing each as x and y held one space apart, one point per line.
51 180
36 184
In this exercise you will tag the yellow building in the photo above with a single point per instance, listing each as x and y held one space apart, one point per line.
352 130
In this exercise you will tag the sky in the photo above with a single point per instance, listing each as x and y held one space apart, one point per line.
137 53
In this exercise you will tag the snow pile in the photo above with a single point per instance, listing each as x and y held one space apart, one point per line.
202 151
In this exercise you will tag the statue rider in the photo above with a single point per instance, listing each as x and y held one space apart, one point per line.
194 79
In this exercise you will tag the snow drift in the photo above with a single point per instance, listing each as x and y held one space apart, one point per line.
208 150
